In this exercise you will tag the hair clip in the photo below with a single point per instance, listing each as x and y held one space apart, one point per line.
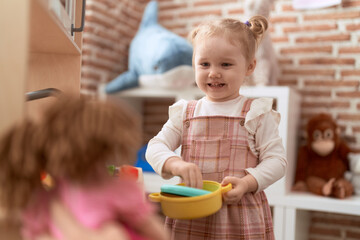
248 24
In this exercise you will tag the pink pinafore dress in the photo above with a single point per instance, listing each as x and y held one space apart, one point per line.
219 146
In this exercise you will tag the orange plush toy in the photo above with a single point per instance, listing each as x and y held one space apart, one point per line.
323 161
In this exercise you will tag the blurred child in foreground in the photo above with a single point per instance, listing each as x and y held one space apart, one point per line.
73 143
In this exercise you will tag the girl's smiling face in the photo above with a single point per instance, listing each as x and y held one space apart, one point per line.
220 68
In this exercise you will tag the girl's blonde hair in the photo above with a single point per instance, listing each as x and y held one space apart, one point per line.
74 140
247 35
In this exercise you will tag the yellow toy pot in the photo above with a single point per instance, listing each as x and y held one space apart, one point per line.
179 207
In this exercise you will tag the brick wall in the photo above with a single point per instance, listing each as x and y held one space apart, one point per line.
155 114
327 226
318 51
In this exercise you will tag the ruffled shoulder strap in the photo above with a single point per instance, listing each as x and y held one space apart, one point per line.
246 107
190 109
259 107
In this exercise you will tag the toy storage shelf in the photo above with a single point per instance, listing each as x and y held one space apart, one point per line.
188 93
311 202
292 212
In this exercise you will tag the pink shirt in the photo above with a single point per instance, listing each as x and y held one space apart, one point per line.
120 200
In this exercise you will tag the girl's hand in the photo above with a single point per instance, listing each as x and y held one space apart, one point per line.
189 172
235 194
240 187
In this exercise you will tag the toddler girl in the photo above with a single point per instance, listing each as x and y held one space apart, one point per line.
224 136
73 142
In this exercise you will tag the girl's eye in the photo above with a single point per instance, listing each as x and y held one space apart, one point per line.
205 64
226 64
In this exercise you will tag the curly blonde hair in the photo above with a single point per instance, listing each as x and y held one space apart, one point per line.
74 140
247 35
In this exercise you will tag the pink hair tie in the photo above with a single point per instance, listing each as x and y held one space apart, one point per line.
248 24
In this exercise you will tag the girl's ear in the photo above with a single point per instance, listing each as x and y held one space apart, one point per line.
251 67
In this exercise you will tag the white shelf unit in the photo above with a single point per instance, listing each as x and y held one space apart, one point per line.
290 210
293 212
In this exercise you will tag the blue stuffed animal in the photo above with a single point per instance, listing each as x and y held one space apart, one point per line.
154 53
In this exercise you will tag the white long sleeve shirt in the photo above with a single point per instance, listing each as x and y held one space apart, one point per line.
261 122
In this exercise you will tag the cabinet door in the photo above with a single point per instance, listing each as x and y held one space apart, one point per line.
60 71
54 60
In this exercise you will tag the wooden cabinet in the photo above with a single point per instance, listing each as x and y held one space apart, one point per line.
37 51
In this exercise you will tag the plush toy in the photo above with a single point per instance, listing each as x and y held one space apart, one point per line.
323 161
157 56
267 68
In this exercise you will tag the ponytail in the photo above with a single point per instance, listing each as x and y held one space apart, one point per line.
258 26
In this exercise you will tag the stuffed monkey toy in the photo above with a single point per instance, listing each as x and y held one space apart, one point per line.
323 161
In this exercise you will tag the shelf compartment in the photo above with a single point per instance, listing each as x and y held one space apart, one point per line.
188 93
311 202
47 31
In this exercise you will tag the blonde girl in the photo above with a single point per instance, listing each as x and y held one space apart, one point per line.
224 136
